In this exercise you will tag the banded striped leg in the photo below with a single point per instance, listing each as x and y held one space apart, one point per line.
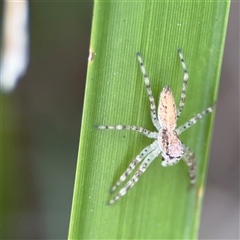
184 86
194 120
133 164
149 91
137 175
141 130
189 158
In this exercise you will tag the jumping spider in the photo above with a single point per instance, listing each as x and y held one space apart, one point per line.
167 142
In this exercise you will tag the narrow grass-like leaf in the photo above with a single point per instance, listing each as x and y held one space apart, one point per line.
160 206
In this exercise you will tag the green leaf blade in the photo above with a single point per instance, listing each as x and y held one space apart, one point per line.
160 205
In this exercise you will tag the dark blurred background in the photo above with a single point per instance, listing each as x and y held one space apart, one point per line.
42 120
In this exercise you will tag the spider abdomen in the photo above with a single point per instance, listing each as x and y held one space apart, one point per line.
167 113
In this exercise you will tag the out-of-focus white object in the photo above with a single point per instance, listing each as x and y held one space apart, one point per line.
15 39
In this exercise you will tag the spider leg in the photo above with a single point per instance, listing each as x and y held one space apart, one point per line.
189 158
137 175
141 130
184 86
194 119
133 164
149 91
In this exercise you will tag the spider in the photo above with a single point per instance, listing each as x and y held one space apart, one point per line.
167 142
